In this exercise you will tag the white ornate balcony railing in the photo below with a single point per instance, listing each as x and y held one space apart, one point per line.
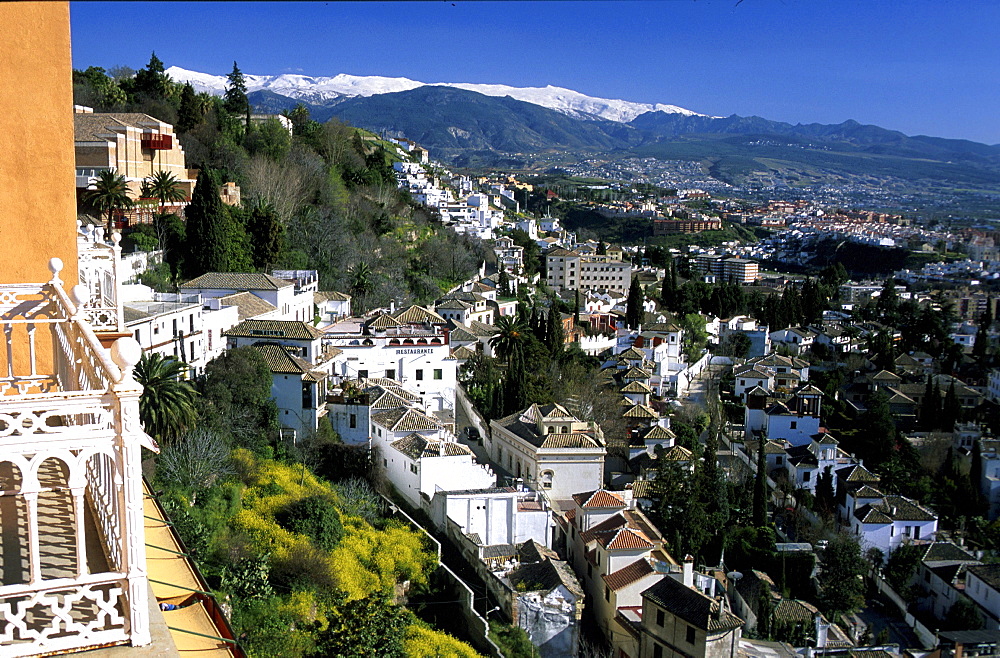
70 478
100 273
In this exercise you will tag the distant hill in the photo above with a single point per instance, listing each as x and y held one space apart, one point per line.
467 128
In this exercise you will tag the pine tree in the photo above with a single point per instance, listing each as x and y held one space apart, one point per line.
236 102
634 311
189 115
152 80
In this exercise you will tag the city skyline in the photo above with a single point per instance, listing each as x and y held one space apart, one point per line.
917 67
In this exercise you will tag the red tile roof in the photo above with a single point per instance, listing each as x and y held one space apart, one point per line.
600 499
628 575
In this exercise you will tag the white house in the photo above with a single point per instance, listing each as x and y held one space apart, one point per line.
297 387
417 355
885 522
796 339
550 448
494 515
982 585
171 325
280 293
420 457
332 306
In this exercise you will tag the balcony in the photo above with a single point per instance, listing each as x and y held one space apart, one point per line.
99 273
156 142
72 564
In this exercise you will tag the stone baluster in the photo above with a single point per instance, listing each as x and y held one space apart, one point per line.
125 352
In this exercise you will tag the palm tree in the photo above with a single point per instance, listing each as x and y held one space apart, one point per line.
110 193
166 407
509 339
164 187
361 282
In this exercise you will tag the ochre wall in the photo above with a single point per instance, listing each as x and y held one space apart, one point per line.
38 192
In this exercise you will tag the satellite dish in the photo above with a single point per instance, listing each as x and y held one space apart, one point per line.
734 575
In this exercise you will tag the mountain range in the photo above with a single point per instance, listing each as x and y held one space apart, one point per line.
496 125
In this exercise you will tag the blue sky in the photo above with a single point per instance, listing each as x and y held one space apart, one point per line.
920 67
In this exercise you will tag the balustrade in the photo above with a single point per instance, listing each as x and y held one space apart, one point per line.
70 478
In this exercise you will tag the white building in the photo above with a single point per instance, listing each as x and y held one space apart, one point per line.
886 522
569 270
280 293
301 366
417 355
550 449
420 457
495 516
982 585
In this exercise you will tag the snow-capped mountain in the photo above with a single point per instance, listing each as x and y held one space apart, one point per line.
323 89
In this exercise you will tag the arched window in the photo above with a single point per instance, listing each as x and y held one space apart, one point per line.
551 430
565 429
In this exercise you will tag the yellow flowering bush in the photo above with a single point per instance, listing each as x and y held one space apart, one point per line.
424 642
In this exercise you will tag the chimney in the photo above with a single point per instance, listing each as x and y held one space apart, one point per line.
688 571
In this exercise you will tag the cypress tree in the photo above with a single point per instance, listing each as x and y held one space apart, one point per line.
976 475
515 384
759 512
633 309
189 114
576 308
554 333
929 410
216 242
266 233
951 410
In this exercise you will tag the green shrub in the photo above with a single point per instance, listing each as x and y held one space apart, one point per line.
315 517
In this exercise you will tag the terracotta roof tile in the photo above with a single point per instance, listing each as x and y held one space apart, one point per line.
290 329
628 575
600 499
236 281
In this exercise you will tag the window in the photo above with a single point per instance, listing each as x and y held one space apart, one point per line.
362 374
590 571
607 593
690 635
660 618
793 424
778 461
438 373
657 651
353 422
419 375
806 476
413 468
390 373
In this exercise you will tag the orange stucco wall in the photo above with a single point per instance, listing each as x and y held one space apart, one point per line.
38 192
